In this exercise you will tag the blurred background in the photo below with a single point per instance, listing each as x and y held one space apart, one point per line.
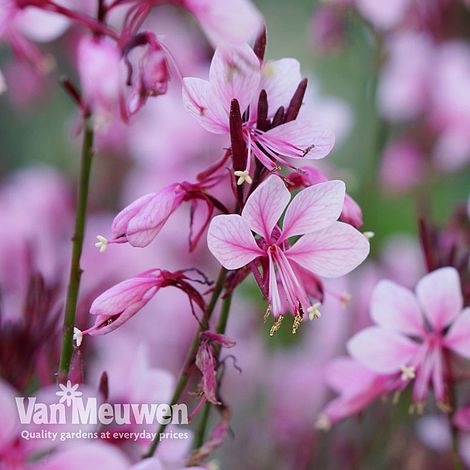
395 90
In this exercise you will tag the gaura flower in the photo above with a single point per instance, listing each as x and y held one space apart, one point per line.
357 386
122 301
262 92
416 332
325 248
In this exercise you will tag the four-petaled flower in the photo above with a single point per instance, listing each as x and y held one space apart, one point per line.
68 393
236 74
326 247
415 333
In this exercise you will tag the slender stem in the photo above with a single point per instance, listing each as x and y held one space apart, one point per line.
77 246
221 327
186 372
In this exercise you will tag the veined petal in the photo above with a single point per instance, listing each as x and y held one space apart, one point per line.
230 240
300 139
199 100
330 252
280 79
314 208
382 350
151 218
235 74
457 338
395 307
121 221
440 296
265 206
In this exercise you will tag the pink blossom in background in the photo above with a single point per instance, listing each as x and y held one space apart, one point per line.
101 75
231 23
328 248
383 15
404 87
389 348
402 165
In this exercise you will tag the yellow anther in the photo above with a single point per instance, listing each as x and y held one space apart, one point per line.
276 326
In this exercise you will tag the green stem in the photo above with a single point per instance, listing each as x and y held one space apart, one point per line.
186 372
221 327
77 246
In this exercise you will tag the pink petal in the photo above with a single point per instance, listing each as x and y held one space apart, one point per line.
440 296
300 139
462 418
314 208
230 240
151 218
10 421
381 350
235 74
280 79
121 221
345 375
265 206
396 308
199 100
227 22
458 335
330 252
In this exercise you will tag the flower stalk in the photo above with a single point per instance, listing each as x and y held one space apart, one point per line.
186 372
77 247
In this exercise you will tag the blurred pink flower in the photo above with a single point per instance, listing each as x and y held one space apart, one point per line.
402 165
383 15
358 387
226 23
327 248
403 342
236 74
101 76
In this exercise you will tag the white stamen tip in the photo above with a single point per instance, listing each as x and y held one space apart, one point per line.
77 337
407 373
102 243
369 235
323 423
242 177
314 311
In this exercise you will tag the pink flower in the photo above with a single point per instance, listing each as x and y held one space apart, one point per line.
236 79
383 15
415 331
101 76
227 23
327 248
140 222
358 387
122 301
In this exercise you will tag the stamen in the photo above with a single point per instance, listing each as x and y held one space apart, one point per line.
445 407
396 397
297 321
77 337
314 311
242 177
276 326
369 235
408 372
323 423
102 243
267 314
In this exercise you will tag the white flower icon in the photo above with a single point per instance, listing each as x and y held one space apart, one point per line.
68 393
